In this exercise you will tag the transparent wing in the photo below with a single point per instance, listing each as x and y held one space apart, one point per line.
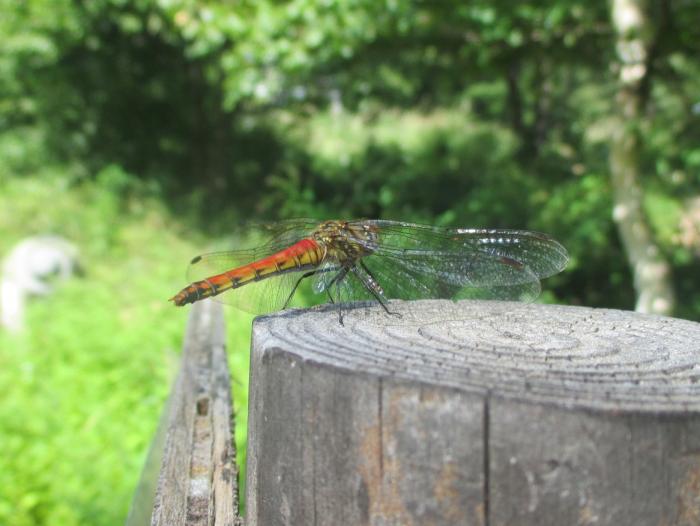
476 276
325 276
542 254
259 234
414 261
263 296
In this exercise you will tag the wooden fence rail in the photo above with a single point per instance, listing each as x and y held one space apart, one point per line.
191 476
476 413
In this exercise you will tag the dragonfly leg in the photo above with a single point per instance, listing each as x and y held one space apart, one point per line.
303 277
337 279
340 306
373 286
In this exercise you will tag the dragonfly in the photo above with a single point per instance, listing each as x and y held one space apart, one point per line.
375 260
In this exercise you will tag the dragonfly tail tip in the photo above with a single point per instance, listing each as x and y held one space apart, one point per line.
176 301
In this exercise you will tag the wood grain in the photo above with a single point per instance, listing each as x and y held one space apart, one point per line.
484 413
197 483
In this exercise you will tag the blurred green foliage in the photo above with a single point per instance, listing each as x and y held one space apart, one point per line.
145 130
83 389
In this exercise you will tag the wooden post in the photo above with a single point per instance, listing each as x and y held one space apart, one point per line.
193 452
477 413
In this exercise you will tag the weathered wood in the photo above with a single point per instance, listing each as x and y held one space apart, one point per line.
197 483
479 413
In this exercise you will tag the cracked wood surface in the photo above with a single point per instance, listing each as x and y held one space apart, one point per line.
197 482
479 413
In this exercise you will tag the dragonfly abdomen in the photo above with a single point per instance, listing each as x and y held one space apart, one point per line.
305 254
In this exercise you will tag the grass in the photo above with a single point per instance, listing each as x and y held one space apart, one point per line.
84 385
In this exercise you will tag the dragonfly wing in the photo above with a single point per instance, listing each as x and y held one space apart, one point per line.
415 261
280 233
476 276
543 255
325 276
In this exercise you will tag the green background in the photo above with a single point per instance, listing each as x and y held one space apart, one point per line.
148 131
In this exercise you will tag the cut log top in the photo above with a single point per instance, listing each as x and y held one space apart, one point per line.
479 413
567 356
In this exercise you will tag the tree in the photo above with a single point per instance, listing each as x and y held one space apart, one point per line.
636 35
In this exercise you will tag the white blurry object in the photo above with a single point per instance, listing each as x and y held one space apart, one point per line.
31 269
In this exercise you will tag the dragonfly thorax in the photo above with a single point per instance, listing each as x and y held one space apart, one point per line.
344 241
